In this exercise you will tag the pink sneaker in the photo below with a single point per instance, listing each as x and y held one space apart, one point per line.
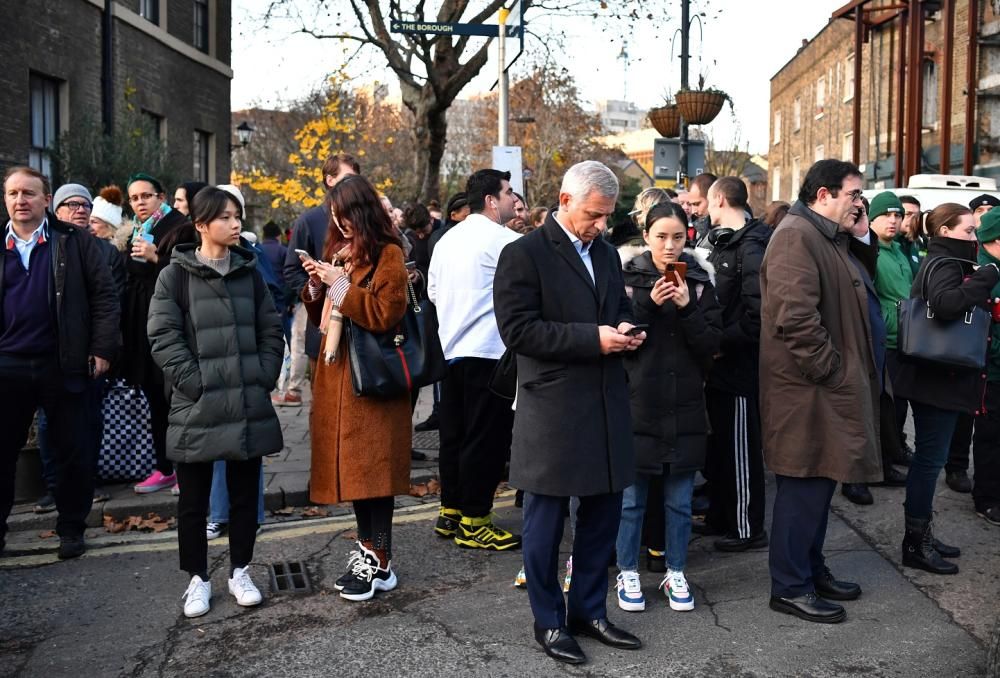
156 482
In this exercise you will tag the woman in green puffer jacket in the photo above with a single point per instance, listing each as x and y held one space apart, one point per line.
217 337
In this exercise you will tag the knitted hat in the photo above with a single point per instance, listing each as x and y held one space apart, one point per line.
884 203
989 226
67 191
235 192
984 199
107 212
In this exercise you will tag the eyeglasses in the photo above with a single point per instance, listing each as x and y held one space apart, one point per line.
75 205
855 195
141 197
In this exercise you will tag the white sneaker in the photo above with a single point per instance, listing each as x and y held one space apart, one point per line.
198 597
243 589
675 587
214 530
630 596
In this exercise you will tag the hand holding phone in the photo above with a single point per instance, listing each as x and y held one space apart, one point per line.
304 255
637 330
676 272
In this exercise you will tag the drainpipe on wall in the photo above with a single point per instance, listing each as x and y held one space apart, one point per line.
107 69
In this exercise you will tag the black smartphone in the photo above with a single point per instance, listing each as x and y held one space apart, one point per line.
637 330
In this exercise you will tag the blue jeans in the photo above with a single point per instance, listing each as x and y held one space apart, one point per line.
933 428
677 489
218 504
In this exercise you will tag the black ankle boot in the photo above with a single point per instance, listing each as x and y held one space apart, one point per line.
918 548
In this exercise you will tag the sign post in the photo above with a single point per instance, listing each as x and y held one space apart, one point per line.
504 91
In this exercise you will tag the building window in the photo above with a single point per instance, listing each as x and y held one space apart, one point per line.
777 127
820 153
150 10
930 116
847 150
820 96
44 121
202 144
849 78
155 123
201 25
776 184
797 114
795 175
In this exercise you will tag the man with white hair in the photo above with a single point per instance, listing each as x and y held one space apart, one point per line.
561 307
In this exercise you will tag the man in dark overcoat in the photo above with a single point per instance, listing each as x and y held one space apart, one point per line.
561 306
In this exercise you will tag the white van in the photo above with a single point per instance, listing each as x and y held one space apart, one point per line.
935 189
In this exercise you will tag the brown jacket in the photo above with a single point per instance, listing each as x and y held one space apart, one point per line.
360 446
819 396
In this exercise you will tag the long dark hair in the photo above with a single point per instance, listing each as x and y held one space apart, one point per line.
354 199
945 215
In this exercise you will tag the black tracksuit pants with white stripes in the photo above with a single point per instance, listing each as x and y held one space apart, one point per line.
734 464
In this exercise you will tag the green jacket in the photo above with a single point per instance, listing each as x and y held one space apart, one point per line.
893 279
220 346
913 251
993 365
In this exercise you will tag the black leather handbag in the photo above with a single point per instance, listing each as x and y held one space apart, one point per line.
389 364
958 344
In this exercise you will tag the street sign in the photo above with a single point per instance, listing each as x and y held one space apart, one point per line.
666 158
508 159
514 29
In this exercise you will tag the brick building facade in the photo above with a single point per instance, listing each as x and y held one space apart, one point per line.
812 100
171 56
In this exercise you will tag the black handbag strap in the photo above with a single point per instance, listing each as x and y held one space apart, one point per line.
930 269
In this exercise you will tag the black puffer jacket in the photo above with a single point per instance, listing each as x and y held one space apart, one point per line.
737 287
951 291
667 374
221 355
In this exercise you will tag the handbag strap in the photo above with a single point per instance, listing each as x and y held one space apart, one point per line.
930 269
411 294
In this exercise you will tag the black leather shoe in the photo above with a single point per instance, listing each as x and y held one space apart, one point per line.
699 505
809 607
705 528
560 645
71 547
831 589
417 455
731 543
428 424
944 550
893 478
958 481
606 632
857 493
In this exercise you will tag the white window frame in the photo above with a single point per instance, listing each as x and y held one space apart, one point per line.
820 97
776 184
797 114
849 77
777 127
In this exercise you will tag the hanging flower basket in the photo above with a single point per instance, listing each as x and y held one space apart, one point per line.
666 120
699 107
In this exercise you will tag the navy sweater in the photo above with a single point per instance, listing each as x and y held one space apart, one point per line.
28 324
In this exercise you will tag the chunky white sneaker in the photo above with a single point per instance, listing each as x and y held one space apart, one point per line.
630 596
198 597
214 530
675 587
369 576
243 589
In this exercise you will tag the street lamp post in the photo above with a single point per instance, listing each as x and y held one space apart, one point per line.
244 133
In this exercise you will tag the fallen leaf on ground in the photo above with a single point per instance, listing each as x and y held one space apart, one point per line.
418 490
433 486
286 511
48 534
151 523
315 512
351 535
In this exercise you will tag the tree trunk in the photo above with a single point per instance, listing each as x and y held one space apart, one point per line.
430 131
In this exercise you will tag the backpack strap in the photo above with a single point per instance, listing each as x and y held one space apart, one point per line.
182 289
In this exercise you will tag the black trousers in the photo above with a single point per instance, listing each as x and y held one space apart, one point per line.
243 483
374 518
901 404
798 531
597 521
654 524
734 464
961 441
159 408
986 451
25 385
475 430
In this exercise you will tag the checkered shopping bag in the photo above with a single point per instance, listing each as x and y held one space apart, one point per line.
127 451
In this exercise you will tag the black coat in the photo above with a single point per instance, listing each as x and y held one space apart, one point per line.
309 234
572 429
737 286
667 373
951 291
137 366
82 297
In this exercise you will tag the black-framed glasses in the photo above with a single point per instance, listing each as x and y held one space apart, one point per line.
855 195
75 205
141 197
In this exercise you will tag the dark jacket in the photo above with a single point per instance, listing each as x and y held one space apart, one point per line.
137 367
221 356
309 234
667 373
572 429
276 254
82 297
115 263
951 291
737 286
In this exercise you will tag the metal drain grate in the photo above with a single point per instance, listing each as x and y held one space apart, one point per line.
289 577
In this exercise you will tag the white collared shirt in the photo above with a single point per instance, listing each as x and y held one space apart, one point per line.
583 249
25 247
460 283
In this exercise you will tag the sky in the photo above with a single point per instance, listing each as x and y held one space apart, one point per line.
743 45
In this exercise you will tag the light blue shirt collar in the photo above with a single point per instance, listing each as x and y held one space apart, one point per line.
24 247
582 248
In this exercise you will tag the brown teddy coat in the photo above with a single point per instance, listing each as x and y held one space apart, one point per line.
360 446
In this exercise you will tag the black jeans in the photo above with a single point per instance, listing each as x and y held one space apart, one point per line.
961 440
243 483
159 408
475 429
986 451
734 464
25 385
374 518
901 404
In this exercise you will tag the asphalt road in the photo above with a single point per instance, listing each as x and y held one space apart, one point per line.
117 611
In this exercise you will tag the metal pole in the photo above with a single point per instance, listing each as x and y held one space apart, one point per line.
682 164
859 31
948 67
915 104
901 99
502 58
971 68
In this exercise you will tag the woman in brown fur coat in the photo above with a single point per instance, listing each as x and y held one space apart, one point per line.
360 446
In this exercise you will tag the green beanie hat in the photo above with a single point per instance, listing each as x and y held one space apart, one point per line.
989 226
883 203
